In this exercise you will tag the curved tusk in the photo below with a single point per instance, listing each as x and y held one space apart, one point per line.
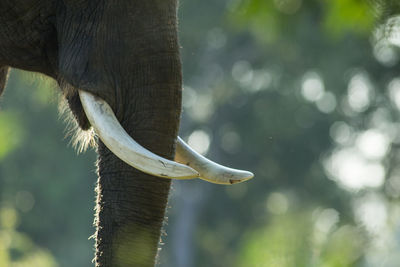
110 131
209 170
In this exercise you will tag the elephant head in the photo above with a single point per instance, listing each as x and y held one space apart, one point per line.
118 65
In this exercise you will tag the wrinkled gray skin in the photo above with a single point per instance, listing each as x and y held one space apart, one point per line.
127 53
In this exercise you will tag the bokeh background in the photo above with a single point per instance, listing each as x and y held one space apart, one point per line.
306 94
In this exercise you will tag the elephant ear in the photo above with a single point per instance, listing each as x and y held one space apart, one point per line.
3 78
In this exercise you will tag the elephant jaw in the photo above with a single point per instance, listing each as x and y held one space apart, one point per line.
194 165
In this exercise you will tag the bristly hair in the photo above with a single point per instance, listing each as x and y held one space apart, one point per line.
81 139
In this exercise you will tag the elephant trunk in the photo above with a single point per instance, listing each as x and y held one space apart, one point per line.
147 76
131 204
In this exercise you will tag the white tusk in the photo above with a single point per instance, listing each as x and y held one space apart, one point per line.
209 170
110 131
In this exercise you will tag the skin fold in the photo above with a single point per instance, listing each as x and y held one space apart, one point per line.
127 53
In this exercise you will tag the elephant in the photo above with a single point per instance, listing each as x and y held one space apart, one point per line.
118 66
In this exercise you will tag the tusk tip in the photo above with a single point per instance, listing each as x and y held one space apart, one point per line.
229 178
245 177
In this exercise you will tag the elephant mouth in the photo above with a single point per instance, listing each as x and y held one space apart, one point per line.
189 165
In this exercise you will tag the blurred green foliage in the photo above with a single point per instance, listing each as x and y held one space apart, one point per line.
17 249
11 134
290 241
42 179
351 16
268 19
306 94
